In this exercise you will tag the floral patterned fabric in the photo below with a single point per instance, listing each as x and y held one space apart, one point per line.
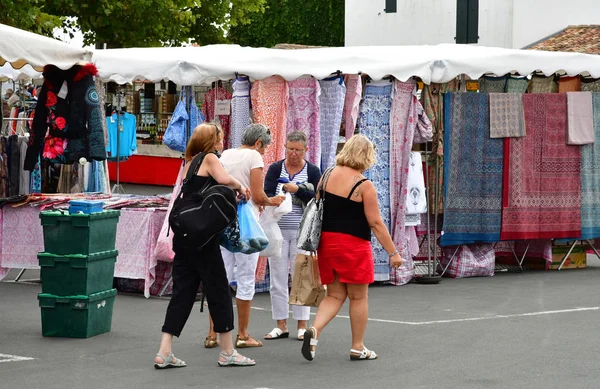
269 105
303 114
208 109
374 122
333 94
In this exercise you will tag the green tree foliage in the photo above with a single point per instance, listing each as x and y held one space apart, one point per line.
132 23
306 22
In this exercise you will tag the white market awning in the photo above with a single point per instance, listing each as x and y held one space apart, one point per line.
19 48
440 63
7 72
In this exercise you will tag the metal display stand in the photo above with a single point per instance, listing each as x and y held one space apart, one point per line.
118 188
588 241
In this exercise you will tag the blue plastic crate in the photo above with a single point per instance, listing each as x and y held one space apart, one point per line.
86 207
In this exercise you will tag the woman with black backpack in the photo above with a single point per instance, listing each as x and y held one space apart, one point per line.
192 264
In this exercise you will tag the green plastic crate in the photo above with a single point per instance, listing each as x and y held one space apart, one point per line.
77 274
79 233
77 316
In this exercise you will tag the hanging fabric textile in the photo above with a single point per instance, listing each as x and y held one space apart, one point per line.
352 103
580 129
36 177
542 186
432 98
407 118
416 203
590 85
100 88
68 120
24 175
473 172
240 110
569 84
124 126
590 180
4 179
506 115
303 114
542 84
14 162
489 84
217 107
374 123
331 107
516 84
269 105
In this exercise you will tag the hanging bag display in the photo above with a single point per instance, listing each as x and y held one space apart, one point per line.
175 136
199 216
307 289
309 231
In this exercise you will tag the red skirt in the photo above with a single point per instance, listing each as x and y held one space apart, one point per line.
349 257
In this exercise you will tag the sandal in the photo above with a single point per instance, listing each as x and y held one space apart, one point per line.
235 359
309 346
277 333
211 342
364 355
169 362
243 342
301 332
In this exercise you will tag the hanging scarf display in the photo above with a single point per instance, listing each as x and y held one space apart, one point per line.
269 105
217 107
240 110
374 123
331 106
590 180
303 114
351 103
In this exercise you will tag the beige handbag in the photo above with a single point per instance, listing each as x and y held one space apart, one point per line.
307 289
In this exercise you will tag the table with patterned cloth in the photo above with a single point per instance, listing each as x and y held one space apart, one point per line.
21 238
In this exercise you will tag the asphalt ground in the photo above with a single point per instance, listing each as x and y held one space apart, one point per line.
513 330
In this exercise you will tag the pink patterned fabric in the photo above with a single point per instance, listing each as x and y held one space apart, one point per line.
208 109
303 114
269 105
406 114
164 245
352 103
471 260
22 238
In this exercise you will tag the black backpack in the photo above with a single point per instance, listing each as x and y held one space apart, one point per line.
197 217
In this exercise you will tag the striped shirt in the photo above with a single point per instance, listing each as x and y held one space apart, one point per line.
291 221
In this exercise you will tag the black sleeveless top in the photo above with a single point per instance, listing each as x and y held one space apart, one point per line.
341 214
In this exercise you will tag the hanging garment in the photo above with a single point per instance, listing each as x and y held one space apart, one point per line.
100 88
542 189
269 105
352 103
473 172
374 122
416 203
240 110
331 107
24 175
64 180
303 114
489 84
208 109
580 130
432 98
4 179
590 180
36 177
14 162
125 126
569 84
542 84
506 115
68 120
516 84
590 85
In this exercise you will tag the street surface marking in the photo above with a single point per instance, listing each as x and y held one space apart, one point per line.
13 358
420 323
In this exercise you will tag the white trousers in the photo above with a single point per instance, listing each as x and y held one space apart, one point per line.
245 272
279 268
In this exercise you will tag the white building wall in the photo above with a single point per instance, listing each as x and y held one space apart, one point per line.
502 23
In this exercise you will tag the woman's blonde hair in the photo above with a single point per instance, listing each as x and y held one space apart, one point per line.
204 140
358 153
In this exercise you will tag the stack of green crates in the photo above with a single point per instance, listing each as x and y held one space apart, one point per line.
77 270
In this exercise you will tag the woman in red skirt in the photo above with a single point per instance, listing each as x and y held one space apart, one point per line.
346 265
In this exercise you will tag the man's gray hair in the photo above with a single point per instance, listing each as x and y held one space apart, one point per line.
298 136
255 132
